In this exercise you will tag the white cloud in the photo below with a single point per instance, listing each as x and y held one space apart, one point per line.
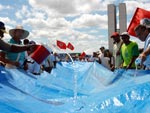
87 6
94 31
2 7
55 6
69 7
132 5
22 13
87 20
51 25
78 21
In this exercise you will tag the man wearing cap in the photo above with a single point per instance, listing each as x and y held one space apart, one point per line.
142 31
116 50
129 51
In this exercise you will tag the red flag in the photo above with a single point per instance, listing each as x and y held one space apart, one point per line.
82 54
70 46
138 15
40 54
61 44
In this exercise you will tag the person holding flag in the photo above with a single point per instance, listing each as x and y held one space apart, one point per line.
142 31
140 27
136 19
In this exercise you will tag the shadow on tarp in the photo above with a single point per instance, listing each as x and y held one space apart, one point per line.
7 108
4 80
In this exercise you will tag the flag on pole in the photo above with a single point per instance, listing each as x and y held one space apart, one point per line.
138 15
61 44
70 46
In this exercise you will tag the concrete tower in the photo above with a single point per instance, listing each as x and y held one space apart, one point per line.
111 24
122 17
112 21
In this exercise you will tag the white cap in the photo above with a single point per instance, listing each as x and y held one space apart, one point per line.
146 22
125 33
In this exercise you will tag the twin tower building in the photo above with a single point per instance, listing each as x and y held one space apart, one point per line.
115 21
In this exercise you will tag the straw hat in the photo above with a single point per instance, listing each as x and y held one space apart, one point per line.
19 27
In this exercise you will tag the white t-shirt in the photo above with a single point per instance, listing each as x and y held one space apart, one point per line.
105 61
117 58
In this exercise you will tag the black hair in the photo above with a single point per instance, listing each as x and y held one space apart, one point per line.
25 41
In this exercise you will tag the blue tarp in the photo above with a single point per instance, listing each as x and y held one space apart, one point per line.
79 87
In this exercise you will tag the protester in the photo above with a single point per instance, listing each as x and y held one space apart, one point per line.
56 59
49 63
116 51
129 51
94 57
107 59
26 42
33 66
101 54
15 60
142 31
10 47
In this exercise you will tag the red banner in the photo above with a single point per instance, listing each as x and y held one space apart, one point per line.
138 15
40 54
70 46
61 44
83 54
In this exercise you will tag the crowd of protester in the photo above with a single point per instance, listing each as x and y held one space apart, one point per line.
17 52
125 52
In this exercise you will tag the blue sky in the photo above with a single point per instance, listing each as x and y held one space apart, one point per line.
81 22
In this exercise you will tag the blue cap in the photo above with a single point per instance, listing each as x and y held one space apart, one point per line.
2 27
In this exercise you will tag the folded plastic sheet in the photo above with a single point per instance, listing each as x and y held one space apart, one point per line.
78 87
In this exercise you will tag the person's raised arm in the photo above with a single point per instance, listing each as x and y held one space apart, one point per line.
20 48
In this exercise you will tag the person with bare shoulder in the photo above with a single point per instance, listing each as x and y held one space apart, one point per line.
142 31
